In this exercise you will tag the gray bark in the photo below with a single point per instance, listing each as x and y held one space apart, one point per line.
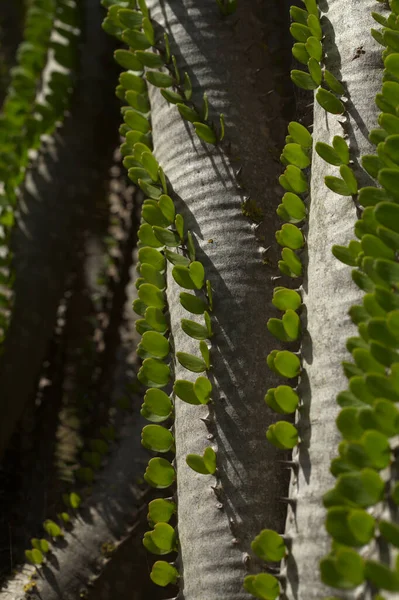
223 60
328 290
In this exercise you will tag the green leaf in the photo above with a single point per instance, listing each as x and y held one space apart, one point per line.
373 246
206 464
205 353
127 60
149 190
156 319
387 213
161 511
139 102
167 208
192 303
52 528
333 83
295 179
344 255
190 246
300 32
143 7
151 275
389 179
205 133
136 39
276 328
203 389
370 196
289 235
311 7
130 81
303 80
179 224
392 64
176 259
191 277
388 271
292 324
194 330
185 391
292 261
152 257
151 295
149 30
151 165
345 570
295 155
285 299
315 70
166 237
136 121
329 102
35 557
160 473
283 435
287 364
157 406
300 52
154 373
155 344
337 185
327 153
158 79
164 536
282 399
391 39
299 15
191 362
269 546
188 113
381 576
349 177
157 438
262 586
363 488
294 206
171 96
314 48
163 574
132 19
390 532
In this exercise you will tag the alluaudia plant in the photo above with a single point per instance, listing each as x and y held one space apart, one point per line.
343 117
198 125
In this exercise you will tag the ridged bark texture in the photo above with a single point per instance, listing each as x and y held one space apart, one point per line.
328 288
229 61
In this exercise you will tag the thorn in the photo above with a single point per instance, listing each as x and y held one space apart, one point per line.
275 278
219 506
206 421
235 541
292 464
238 172
291 501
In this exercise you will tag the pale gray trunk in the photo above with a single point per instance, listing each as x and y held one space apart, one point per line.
223 59
328 288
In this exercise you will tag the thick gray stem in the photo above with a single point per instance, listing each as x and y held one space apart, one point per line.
328 289
223 59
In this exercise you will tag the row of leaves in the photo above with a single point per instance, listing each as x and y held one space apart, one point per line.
161 233
307 31
25 117
80 475
369 419
296 156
